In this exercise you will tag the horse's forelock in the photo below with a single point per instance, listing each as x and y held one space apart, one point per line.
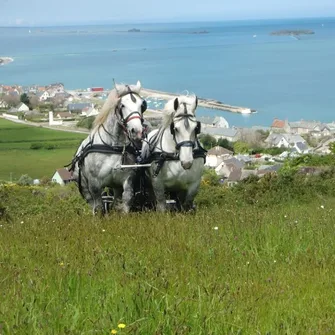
125 89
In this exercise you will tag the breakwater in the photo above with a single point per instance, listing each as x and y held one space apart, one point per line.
203 102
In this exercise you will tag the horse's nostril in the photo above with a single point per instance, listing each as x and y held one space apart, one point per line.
133 130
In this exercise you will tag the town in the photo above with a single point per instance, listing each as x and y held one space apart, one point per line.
234 153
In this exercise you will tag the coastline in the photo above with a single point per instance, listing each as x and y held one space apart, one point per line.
6 60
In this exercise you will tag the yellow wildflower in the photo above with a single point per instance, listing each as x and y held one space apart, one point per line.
113 331
121 325
61 264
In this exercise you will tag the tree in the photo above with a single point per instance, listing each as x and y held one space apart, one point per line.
12 100
33 101
25 99
25 180
241 147
223 142
208 141
331 147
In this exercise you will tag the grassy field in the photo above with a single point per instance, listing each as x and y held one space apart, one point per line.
232 268
18 158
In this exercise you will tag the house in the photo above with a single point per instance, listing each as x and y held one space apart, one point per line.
280 126
227 166
283 140
22 107
3 104
264 169
43 95
54 89
64 115
62 176
230 134
13 110
89 111
321 130
216 155
323 148
78 107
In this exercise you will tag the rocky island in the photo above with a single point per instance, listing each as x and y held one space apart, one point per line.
5 60
134 30
200 32
292 32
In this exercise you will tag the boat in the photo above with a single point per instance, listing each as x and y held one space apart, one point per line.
246 111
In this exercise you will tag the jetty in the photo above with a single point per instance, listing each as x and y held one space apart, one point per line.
206 103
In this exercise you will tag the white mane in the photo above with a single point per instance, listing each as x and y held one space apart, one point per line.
113 100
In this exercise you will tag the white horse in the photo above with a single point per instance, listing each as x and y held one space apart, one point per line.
116 139
178 159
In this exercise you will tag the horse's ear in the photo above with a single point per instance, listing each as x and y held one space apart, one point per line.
176 104
138 85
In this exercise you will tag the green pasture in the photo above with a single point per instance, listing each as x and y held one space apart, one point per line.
17 156
231 268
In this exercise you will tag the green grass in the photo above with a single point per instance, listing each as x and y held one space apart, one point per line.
18 158
233 268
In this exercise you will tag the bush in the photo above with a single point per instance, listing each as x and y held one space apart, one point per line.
36 146
25 180
87 122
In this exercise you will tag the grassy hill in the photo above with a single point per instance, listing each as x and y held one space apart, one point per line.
53 149
257 259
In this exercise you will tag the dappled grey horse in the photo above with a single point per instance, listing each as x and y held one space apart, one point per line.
176 154
115 140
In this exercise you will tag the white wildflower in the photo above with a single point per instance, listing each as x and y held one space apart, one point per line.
216 228
323 207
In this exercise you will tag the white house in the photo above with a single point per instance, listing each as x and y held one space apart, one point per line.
3 104
22 107
89 111
62 176
42 96
216 155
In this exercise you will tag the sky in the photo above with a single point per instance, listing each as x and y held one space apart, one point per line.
63 12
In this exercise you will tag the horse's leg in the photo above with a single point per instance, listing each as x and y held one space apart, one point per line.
186 197
127 195
159 190
96 202
117 204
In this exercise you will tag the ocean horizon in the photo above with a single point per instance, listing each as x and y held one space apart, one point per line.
237 62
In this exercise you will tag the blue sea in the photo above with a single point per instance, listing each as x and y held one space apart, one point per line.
237 62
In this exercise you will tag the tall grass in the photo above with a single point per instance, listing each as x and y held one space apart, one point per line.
232 268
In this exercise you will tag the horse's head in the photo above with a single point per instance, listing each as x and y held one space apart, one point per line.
130 109
184 128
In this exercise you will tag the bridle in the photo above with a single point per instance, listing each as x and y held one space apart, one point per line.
123 121
188 143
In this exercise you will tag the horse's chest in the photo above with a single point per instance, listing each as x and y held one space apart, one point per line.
175 176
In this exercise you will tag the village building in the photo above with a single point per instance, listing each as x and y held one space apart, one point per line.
295 142
63 115
62 177
280 126
78 107
22 107
230 134
43 95
3 104
216 155
89 111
